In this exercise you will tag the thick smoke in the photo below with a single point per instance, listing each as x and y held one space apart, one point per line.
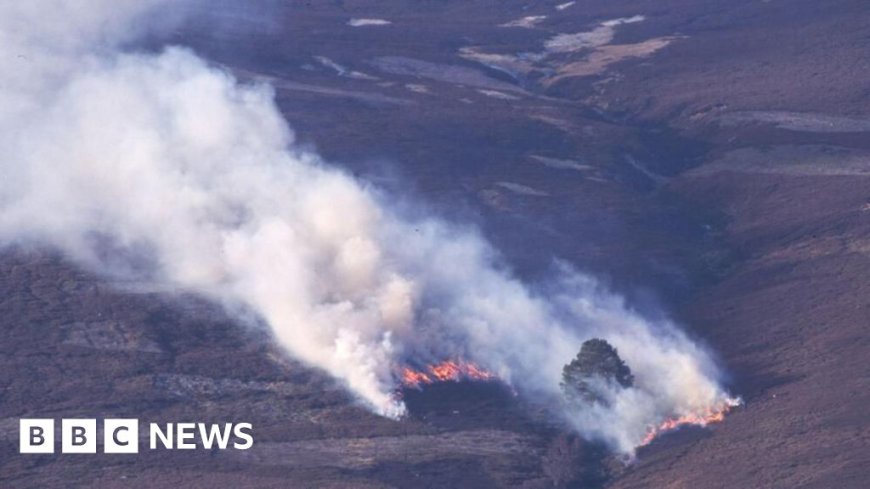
165 168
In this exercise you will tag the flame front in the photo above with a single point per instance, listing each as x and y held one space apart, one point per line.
446 371
711 415
458 370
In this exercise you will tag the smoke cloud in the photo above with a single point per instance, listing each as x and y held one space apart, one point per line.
167 169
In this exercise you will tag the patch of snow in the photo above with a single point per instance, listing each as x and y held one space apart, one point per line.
599 36
416 87
521 189
499 95
367 22
527 22
362 76
623 20
561 164
342 70
323 60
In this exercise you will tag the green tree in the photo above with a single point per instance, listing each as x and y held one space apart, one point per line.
597 359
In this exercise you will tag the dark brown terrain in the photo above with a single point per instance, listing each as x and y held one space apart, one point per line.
712 158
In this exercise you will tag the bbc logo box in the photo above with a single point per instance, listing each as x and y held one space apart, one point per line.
36 436
121 436
78 436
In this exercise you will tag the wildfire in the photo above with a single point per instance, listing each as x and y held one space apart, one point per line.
711 415
448 370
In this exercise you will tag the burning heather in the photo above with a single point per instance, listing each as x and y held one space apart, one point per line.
446 371
160 168
711 415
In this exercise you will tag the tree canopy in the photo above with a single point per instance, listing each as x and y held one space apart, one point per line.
597 359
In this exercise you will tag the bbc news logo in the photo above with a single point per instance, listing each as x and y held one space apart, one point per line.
122 436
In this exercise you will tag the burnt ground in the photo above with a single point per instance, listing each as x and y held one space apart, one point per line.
723 176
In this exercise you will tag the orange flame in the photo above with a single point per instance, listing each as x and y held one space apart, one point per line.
446 371
711 415
412 378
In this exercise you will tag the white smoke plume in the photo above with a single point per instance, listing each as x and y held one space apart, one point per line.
192 179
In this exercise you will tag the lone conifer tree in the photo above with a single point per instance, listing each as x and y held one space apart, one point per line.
596 359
